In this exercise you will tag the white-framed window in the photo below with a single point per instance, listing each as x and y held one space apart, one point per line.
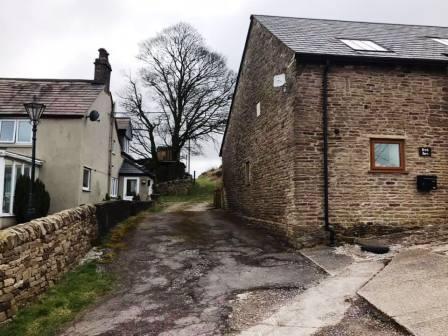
131 188
7 131
10 170
125 145
24 132
15 131
86 178
114 187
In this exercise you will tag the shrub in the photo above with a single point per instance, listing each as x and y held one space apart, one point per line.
41 198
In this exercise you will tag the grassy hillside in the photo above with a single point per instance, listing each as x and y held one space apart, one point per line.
202 191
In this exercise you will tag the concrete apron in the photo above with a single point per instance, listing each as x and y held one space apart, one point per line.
324 304
413 290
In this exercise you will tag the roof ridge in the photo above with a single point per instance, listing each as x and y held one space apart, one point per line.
83 80
348 21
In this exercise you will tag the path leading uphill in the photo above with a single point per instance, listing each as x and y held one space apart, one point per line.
197 272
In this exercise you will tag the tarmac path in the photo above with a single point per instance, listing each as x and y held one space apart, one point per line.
183 269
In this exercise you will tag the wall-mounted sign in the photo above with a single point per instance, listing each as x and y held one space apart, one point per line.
279 80
424 151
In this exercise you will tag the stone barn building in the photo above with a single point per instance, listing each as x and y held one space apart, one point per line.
340 127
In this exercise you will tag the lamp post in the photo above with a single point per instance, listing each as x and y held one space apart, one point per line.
34 111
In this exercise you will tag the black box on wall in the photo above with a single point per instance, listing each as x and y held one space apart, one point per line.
426 182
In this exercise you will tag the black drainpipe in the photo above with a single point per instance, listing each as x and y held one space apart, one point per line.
329 228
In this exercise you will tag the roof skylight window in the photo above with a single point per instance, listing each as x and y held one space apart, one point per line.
363 45
441 40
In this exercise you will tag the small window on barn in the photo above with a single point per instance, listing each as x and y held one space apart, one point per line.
387 155
247 173
363 45
258 109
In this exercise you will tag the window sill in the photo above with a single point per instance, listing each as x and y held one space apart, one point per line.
85 190
402 172
15 144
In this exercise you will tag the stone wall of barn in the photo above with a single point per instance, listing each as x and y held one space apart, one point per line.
365 102
35 254
408 103
284 144
261 144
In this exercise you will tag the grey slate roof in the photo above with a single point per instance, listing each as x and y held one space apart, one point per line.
131 168
321 37
62 97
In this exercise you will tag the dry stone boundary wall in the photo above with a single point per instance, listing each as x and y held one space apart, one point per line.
34 255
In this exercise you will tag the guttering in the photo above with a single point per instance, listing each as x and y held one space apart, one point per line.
20 157
111 145
328 228
368 59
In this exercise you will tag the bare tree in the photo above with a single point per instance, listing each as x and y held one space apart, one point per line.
144 125
190 85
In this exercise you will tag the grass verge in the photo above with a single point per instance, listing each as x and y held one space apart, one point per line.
60 304
114 241
73 293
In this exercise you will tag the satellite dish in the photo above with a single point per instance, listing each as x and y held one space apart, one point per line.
94 115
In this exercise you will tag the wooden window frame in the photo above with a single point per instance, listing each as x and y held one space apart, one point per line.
401 149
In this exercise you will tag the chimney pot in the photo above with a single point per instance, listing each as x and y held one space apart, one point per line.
103 69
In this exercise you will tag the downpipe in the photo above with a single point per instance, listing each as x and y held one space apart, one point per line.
328 228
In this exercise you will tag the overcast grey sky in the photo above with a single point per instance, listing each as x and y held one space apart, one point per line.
60 38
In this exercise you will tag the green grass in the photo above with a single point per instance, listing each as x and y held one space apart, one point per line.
60 304
202 191
114 241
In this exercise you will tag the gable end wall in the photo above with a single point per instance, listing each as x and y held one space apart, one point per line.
264 141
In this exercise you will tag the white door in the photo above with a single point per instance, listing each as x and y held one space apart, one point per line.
131 188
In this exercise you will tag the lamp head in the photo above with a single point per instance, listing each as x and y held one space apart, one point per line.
34 110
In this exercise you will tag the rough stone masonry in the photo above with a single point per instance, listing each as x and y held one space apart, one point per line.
273 162
34 255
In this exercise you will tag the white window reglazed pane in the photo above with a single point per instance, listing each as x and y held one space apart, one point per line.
131 187
7 188
86 179
24 131
114 187
7 131
387 155
27 170
442 40
363 45
18 169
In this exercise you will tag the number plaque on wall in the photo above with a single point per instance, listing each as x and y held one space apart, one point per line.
425 151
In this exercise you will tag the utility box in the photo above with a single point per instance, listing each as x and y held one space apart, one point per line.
426 182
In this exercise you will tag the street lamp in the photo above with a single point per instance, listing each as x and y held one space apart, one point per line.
34 111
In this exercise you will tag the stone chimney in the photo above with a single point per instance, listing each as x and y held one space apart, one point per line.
103 69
